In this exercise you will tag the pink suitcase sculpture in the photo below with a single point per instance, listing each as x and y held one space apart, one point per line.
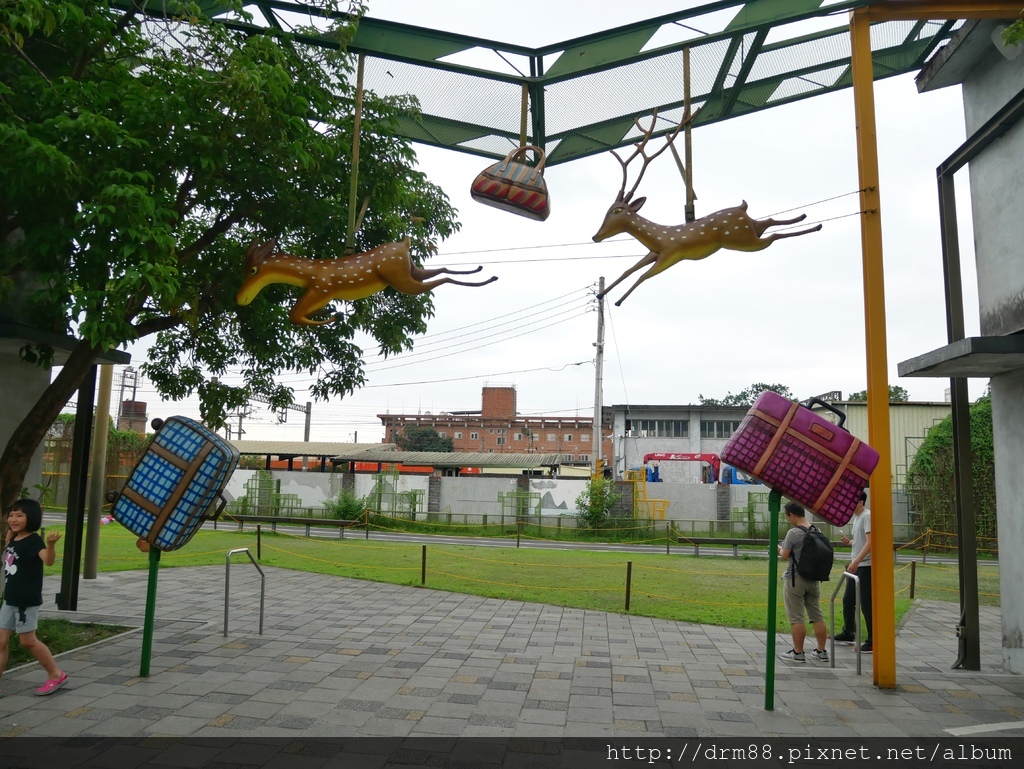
803 456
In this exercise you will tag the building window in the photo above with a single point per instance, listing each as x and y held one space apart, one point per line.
501 431
568 458
551 437
474 436
568 438
517 436
490 430
720 428
583 457
501 440
658 428
443 434
585 437
458 436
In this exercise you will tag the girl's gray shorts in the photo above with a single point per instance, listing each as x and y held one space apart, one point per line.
10 619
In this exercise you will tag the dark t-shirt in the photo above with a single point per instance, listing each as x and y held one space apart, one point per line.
23 570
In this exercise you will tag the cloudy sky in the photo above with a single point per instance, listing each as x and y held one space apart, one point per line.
792 314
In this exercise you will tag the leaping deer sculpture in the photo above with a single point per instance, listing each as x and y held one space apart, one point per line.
350 277
729 228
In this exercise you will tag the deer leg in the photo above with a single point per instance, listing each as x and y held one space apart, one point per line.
308 304
651 258
421 274
649 274
409 285
760 225
779 235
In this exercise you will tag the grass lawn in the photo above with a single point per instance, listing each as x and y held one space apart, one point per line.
712 590
61 636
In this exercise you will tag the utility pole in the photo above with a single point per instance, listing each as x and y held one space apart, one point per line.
596 435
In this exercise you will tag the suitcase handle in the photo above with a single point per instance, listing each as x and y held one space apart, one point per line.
830 407
221 502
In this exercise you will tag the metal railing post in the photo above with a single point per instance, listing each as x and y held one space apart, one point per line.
227 584
832 617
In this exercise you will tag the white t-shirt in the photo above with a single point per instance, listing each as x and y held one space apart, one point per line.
861 529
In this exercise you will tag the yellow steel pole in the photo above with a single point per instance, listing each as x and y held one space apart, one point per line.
882 578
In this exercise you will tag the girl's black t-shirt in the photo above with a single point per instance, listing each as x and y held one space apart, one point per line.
23 570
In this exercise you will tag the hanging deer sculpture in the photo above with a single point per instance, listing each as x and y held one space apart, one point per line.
350 277
729 228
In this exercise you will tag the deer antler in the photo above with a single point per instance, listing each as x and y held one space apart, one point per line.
641 150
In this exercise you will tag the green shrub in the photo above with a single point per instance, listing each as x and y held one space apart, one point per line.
346 506
595 502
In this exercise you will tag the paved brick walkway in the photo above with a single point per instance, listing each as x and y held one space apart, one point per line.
342 657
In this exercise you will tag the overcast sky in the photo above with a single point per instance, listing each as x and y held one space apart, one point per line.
792 314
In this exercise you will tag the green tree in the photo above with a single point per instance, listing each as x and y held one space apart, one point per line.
596 501
1014 33
141 156
896 395
930 478
425 438
748 396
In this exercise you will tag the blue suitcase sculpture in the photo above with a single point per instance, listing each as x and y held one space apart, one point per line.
177 484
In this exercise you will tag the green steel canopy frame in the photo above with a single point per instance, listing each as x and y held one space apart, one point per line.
584 94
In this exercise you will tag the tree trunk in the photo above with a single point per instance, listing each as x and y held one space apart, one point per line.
30 433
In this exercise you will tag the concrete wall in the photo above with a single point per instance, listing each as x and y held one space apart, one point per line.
19 389
997 198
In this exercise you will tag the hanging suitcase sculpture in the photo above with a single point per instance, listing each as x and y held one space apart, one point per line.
177 484
803 456
514 186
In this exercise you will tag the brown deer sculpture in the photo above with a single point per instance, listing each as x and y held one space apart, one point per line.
350 277
729 228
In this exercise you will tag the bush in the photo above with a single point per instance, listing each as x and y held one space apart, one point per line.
346 506
596 501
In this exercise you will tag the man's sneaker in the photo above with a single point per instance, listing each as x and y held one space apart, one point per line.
794 656
866 648
845 638
820 655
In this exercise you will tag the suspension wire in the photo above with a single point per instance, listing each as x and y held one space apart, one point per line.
829 219
479 376
819 202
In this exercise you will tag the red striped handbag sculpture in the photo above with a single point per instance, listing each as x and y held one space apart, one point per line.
805 457
514 186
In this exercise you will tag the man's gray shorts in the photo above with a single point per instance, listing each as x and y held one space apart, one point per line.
10 619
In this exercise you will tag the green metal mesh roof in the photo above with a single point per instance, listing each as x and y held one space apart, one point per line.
584 94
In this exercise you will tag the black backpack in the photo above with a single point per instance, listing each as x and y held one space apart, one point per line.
816 556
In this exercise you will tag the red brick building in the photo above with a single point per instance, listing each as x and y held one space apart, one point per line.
497 427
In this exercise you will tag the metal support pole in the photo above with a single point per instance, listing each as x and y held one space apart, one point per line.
147 625
879 431
423 567
67 598
97 486
774 506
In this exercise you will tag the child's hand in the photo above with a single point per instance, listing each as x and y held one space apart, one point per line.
51 537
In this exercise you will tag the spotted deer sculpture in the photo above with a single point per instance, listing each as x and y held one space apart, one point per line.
350 277
730 228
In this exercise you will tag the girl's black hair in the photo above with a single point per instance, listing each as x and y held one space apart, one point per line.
33 513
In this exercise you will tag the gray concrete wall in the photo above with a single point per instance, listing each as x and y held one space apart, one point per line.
19 389
997 198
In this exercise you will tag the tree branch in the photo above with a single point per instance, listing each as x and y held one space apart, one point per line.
87 54
215 231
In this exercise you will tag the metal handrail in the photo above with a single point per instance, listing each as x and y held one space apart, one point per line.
227 584
832 617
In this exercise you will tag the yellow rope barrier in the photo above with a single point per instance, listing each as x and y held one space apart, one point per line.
528 587
520 563
692 571
342 563
701 601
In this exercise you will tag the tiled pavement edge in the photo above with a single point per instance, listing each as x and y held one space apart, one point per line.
342 657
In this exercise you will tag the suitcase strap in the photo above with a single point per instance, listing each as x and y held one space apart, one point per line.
162 513
783 426
843 467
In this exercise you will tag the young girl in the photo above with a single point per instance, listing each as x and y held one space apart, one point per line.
24 556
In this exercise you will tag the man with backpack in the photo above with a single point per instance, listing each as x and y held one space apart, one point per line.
803 543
